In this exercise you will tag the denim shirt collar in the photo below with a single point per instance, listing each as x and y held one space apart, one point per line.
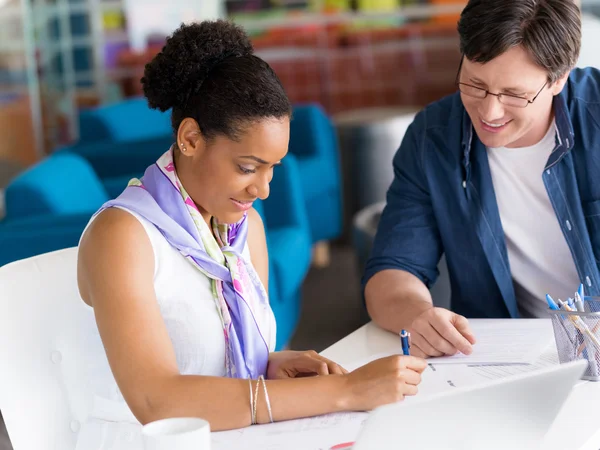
564 137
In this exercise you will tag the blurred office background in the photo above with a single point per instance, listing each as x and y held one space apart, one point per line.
356 71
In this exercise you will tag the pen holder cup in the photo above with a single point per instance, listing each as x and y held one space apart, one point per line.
577 336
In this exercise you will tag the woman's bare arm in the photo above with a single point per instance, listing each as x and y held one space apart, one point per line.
115 272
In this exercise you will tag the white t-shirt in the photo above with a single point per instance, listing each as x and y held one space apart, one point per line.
540 260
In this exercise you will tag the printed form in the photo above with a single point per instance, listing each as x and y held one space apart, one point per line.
503 348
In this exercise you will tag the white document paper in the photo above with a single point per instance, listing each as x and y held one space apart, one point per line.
314 433
510 341
549 357
469 375
473 374
504 341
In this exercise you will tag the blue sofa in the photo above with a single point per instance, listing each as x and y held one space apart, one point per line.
289 244
48 207
60 185
26 237
313 141
126 121
132 159
128 132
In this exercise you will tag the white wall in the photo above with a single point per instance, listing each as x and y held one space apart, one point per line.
147 17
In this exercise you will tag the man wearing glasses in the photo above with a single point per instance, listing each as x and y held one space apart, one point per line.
502 177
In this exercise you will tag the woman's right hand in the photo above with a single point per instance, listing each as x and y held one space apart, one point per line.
383 381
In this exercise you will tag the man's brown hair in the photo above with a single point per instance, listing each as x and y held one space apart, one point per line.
550 30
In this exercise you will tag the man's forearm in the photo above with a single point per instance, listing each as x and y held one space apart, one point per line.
395 297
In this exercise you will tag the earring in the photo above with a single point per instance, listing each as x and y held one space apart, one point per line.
183 149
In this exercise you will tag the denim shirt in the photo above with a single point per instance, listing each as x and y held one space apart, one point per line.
442 201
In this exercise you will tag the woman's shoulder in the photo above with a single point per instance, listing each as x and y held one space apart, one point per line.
111 243
111 226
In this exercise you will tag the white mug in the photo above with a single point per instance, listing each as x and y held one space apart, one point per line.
181 433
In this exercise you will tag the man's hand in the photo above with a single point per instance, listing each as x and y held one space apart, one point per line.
292 364
439 332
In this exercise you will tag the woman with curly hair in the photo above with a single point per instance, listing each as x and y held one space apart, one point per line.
175 268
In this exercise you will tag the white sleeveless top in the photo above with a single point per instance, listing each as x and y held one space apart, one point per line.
192 320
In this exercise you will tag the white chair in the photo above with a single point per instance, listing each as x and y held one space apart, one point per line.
45 333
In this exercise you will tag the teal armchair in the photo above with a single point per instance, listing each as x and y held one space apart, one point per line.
313 141
289 246
126 121
59 185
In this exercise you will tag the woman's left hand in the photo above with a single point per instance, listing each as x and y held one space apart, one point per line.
292 364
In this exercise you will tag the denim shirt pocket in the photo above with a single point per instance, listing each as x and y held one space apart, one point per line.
591 210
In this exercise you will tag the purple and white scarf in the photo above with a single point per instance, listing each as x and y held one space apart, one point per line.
240 297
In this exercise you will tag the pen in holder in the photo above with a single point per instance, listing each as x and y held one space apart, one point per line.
577 336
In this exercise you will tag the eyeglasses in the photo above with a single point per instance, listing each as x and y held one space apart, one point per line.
505 99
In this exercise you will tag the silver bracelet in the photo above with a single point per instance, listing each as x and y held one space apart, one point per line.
252 416
262 378
255 406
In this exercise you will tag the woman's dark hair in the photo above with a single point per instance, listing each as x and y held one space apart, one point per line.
550 30
207 71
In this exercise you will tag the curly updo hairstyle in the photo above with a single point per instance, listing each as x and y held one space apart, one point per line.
207 71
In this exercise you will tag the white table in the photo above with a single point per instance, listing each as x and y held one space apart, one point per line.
577 426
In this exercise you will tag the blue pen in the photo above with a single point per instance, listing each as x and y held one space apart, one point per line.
570 303
405 340
551 303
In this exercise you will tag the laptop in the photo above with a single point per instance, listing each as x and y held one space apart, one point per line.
511 413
